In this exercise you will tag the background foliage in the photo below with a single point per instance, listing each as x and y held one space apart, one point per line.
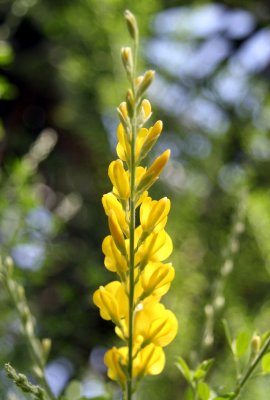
60 68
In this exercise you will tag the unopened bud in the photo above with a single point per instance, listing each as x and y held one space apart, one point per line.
116 232
9 265
145 83
131 24
46 347
38 371
123 109
151 138
127 60
146 109
130 103
255 344
153 171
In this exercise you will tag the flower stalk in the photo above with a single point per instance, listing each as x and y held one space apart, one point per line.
135 252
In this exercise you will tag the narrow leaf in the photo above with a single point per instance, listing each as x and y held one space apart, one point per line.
228 334
242 344
184 369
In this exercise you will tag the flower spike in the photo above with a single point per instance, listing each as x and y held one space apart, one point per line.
137 248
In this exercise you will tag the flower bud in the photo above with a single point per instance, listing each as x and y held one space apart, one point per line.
46 347
116 232
119 179
132 25
255 344
127 60
145 83
130 103
153 171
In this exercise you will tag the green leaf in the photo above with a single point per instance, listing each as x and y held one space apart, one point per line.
242 344
227 396
203 369
73 391
7 90
184 369
6 53
203 391
189 394
266 363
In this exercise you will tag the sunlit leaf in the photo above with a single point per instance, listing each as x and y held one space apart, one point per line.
242 343
203 369
183 367
203 391
266 363
6 53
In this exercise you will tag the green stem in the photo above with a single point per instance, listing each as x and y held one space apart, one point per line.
132 227
251 369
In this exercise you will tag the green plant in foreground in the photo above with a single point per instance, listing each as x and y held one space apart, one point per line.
136 252
38 349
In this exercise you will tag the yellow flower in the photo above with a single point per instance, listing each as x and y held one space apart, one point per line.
145 138
148 361
123 147
156 279
153 214
153 172
146 110
110 202
112 301
114 260
155 324
119 179
156 247
153 135
117 233
116 361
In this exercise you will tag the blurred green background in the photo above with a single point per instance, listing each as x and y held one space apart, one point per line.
61 74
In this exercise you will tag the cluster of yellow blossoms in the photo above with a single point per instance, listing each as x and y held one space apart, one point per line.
136 250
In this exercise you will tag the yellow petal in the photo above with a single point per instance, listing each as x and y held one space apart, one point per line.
114 260
110 202
156 278
153 171
116 232
119 179
112 301
123 147
155 324
150 361
153 135
156 247
114 359
146 106
153 214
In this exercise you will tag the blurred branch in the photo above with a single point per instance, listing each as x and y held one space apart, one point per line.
22 383
217 301
38 349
